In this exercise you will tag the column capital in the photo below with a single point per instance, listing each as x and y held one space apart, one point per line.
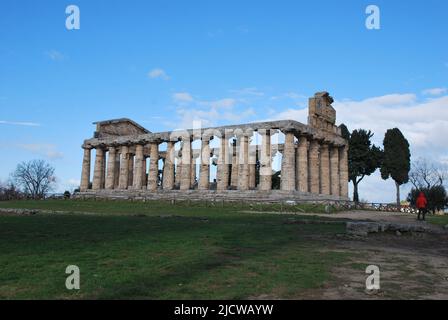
87 147
288 130
325 144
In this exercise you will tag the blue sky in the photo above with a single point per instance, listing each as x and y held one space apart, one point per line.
166 63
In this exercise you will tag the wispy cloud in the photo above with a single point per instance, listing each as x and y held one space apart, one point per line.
42 149
207 112
435 91
55 55
243 29
182 97
215 33
251 91
20 123
158 74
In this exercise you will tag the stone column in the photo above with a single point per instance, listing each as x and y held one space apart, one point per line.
223 166
178 176
153 166
325 169
343 171
144 168
313 166
98 170
288 175
168 168
131 170
124 168
111 163
252 165
302 164
265 161
138 172
117 170
85 174
204 174
234 173
334 171
185 181
243 163
103 172
193 169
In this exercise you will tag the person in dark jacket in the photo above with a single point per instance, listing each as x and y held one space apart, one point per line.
421 204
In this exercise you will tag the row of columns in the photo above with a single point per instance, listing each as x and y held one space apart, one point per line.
309 166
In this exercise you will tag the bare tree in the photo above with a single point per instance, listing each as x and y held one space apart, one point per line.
427 174
8 191
35 177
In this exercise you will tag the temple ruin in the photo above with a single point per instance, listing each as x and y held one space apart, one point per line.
130 163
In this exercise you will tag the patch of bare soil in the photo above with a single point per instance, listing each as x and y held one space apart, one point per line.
412 266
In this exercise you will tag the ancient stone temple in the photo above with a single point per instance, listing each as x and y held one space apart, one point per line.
131 162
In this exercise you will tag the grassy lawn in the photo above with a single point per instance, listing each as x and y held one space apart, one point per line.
158 251
439 220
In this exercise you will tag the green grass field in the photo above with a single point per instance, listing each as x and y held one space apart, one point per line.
153 250
439 220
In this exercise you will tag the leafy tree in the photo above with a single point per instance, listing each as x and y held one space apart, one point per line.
345 132
363 157
435 195
397 159
35 177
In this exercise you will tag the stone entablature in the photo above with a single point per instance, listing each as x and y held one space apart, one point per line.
118 127
314 156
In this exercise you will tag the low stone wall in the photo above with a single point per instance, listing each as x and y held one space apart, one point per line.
274 196
18 212
364 228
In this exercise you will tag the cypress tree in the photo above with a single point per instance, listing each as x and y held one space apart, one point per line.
397 159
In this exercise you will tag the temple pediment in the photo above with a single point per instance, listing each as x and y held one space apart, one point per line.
118 127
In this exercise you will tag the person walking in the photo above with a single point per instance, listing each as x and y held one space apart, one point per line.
421 204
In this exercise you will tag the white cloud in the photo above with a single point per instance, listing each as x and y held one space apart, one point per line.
207 112
215 33
20 123
251 91
391 100
158 74
243 29
295 96
435 91
73 183
212 117
55 55
46 150
223 103
182 97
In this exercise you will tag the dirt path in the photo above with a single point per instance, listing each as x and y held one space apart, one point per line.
363 215
412 266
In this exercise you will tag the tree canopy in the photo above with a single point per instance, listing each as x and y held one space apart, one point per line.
396 162
35 177
363 156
